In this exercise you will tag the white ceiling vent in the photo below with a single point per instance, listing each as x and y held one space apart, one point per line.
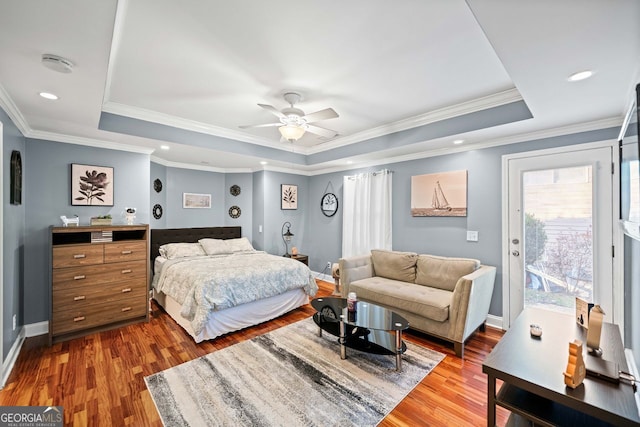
57 63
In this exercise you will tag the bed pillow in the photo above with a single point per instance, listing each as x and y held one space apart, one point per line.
239 245
181 250
215 246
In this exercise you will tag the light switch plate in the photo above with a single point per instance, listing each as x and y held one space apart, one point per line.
472 236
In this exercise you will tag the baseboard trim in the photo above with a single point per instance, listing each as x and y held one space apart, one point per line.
11 358
35 329
494 321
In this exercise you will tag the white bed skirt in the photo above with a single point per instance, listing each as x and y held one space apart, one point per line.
235 318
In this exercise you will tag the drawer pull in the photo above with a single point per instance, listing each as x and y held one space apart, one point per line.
78 256
127 271
126 252
78 319
80 277
125 290
79 298
126 309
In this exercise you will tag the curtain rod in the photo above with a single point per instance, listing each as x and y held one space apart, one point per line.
382 172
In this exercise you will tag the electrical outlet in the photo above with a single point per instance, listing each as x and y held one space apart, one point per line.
15 322
329 264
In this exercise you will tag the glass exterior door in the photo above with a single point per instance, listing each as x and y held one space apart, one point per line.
560 216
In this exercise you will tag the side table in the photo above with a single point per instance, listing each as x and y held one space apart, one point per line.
302 258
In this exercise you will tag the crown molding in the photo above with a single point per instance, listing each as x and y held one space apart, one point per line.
190 125
205 168
478 104
13 112
89 142
486 143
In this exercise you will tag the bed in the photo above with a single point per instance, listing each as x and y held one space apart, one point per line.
217 287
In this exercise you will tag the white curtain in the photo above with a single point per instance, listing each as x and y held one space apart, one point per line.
366 218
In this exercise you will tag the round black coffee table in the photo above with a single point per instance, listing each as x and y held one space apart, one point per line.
369 328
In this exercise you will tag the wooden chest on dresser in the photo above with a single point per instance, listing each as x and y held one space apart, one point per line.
99 279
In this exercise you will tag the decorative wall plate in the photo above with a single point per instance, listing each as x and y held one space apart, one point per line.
157 211
329 204
234 212
235 190
157 185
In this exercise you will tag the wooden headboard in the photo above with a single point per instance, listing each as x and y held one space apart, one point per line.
160 236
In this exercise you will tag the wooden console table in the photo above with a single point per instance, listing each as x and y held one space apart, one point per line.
533 385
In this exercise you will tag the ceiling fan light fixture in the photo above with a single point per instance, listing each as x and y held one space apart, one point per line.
291 132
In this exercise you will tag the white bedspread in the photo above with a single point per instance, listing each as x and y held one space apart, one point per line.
212 283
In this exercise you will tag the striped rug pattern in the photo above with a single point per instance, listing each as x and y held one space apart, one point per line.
287 377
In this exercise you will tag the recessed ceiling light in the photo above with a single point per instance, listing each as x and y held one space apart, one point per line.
164 147
458 141
263 163
349 162
48 95
580 75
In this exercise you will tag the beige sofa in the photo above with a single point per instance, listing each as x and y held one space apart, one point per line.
445 297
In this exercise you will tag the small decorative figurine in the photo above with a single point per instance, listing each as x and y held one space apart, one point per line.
576 370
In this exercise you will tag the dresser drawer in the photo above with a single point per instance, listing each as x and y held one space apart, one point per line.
98 274
81 298
76 255
125 251
111 312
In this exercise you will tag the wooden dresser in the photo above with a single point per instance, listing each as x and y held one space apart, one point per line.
100 279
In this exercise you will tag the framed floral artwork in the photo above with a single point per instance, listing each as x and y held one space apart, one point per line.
91 185
288 196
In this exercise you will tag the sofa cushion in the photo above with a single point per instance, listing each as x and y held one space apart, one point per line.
443 272
394 265
426 302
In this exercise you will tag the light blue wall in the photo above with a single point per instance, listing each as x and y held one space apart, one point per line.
244 201
13 230
158 172
275 217
181 181
257 201
47 195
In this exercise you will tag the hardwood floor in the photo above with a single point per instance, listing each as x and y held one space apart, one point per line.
99 379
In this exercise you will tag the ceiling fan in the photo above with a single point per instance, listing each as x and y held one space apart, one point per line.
294 122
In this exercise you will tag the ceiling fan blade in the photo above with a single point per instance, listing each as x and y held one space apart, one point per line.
327 133
273 110
264 125
327 113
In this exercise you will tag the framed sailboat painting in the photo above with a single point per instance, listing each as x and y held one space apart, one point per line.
439 194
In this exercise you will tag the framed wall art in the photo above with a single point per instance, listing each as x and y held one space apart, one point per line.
91 185
288 196
16 178
439 194
196 201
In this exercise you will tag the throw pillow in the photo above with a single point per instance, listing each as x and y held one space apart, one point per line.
443 272
394 265
181 250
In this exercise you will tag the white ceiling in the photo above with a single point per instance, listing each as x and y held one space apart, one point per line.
203 66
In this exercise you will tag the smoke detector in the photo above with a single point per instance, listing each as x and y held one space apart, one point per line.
57 63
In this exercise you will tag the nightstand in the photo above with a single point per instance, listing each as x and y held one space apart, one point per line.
302 258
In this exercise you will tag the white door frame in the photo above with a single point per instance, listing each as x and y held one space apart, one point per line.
618 284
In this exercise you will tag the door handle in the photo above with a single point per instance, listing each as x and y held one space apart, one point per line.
515 253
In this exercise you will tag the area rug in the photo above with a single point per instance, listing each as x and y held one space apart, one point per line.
287 377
